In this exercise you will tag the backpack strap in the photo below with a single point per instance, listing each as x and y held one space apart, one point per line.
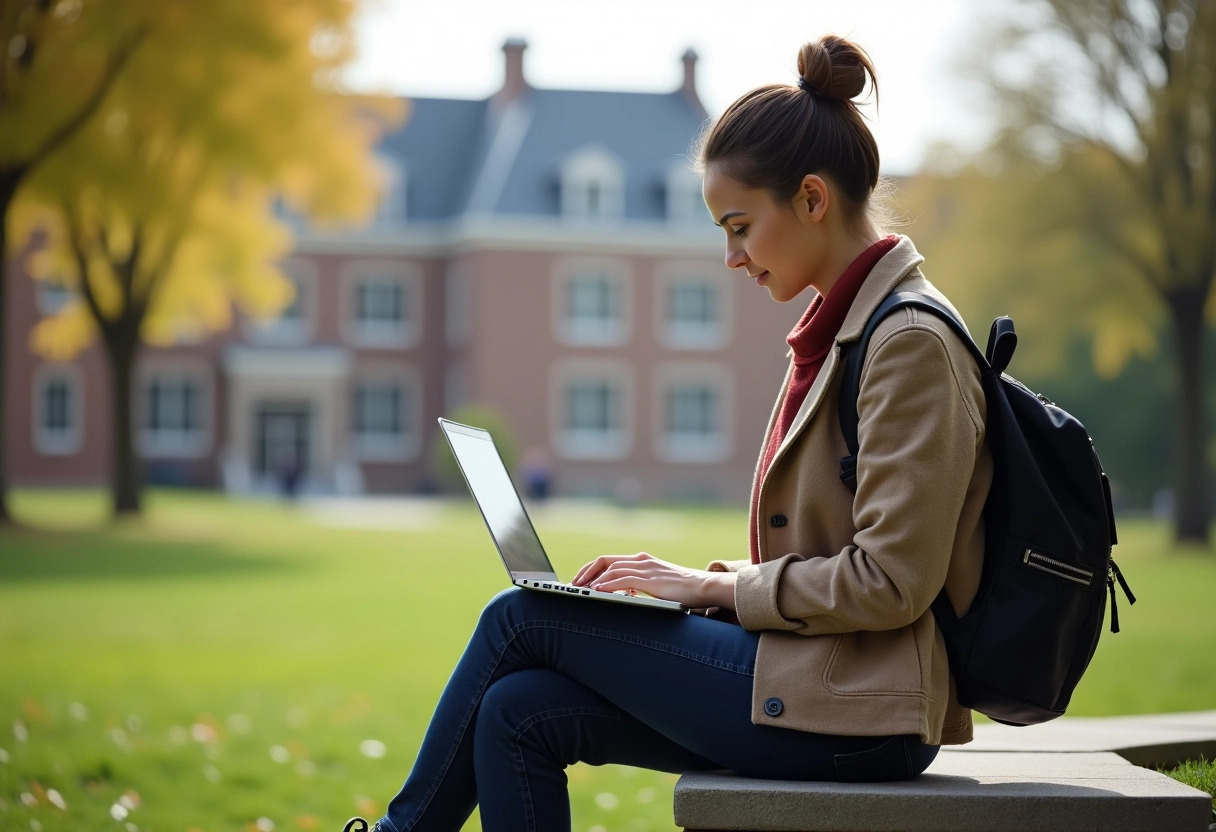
854 357
850 388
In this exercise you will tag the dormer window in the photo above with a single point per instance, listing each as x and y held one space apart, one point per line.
592 186
684 202
390 211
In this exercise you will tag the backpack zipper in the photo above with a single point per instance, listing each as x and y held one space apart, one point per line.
1058 568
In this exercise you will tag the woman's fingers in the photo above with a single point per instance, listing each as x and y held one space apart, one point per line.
596 567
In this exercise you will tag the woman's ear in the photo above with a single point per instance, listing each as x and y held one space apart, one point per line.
813 198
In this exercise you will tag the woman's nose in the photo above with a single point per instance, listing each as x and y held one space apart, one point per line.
735 257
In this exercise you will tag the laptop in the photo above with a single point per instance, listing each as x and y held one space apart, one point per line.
509 524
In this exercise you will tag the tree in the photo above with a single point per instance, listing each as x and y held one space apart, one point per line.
160 215
1119 95
46 46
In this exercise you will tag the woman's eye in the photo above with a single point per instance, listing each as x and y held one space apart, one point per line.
740 231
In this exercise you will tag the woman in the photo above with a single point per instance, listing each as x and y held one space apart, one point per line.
820 660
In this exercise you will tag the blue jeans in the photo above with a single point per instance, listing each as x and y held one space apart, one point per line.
548 681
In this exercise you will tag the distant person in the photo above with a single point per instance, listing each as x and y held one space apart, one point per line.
816 657
538 475
289 471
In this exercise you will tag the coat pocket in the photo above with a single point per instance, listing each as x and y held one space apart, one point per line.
875 661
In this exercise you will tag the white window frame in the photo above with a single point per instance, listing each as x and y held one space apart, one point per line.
685 205
176 443
379 334
585 331
688 335
587 169
69 441
387 447
291 331
677 448
615 443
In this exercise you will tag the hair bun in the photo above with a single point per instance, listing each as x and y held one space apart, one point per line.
833 67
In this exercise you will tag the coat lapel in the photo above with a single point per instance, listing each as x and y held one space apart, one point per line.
897 265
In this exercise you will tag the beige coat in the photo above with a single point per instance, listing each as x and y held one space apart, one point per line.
841 595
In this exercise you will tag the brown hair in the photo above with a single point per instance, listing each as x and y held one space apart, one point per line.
775 135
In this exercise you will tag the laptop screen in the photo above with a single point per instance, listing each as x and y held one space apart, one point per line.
498 500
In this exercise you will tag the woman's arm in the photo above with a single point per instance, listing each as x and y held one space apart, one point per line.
696 588
920 430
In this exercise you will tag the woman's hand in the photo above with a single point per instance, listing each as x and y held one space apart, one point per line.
643 572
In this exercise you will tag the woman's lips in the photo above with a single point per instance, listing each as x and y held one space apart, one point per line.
760 278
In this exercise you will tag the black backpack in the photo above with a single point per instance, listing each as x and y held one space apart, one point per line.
1032 629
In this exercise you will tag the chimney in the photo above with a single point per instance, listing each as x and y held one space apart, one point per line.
514 83
689 89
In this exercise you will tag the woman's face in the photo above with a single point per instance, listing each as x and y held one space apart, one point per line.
779 244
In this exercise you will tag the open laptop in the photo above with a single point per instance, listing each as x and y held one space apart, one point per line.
509 524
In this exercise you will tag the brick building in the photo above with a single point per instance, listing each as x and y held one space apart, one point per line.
545 253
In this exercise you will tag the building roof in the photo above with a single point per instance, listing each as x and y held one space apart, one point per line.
505 157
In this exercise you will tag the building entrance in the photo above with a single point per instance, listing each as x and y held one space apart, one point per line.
283 446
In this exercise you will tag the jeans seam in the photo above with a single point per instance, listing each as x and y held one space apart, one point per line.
521 770
518 754
649 644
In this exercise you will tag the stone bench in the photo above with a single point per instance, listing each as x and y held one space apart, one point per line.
1070 774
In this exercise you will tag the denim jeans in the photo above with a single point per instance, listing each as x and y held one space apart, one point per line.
547 681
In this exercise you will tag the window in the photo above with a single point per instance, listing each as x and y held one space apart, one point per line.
685 204
383 304
592 405
172 415
592 303
385 419
294 324
692 309
592 186
692 422
57 410
53 296
390 211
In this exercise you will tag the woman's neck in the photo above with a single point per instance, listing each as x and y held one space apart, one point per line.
849 249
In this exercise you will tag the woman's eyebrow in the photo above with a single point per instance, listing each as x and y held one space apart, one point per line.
727 216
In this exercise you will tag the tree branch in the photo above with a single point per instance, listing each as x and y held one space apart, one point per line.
76 238
114 65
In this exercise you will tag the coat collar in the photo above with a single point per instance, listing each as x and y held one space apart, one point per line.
895 267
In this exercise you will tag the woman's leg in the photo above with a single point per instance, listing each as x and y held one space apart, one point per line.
532 725
687 678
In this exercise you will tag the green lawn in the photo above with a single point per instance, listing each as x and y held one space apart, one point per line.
221 665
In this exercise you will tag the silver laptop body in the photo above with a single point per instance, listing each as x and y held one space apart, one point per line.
510 527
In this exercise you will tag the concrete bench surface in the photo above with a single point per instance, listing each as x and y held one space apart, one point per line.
1044 780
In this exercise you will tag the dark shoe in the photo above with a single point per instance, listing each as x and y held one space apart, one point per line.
359 825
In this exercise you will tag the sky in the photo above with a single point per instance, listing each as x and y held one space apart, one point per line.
453 49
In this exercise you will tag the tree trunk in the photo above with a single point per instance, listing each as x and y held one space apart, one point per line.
122 349
1191 481
8 188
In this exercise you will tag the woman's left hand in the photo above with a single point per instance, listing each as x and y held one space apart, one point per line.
643 572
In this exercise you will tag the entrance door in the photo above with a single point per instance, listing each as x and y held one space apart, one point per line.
283 439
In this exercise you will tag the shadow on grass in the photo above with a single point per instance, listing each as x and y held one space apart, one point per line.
55 556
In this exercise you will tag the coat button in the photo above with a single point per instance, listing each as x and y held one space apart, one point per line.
773 706
777 521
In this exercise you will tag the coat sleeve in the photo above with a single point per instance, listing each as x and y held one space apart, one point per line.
727 565
919 434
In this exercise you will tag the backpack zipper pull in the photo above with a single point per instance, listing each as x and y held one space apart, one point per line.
1131 599
1114 609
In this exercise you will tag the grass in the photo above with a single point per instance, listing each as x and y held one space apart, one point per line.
222 665
1199 774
